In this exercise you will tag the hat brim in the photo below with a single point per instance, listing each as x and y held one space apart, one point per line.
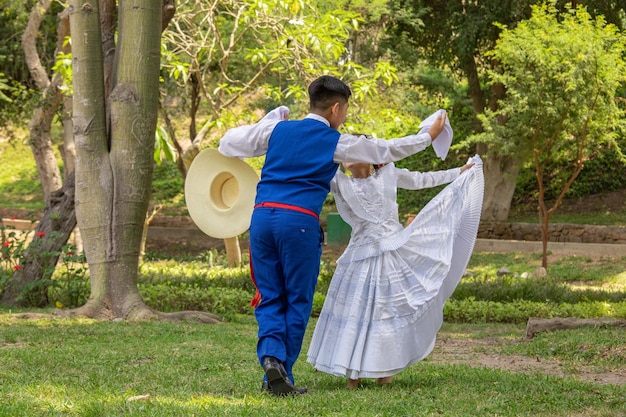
220 193
442 144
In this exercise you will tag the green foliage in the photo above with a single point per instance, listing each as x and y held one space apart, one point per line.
70 286
167 185
327 268
604 171
545 289
163 148
16 81
11 253
63 67
483 296
561 73
470 310
170 296
262 54
175 286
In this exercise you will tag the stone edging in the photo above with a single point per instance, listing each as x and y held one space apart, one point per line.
559 232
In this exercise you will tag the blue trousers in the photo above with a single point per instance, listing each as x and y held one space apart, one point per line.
285 252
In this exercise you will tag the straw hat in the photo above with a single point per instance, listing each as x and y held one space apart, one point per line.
442 144
220 193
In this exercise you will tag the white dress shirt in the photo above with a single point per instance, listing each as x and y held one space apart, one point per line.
252 140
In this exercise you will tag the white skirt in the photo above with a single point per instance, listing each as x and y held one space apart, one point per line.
383 310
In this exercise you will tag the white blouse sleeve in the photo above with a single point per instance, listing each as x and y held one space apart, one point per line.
252 140
414 180
352 148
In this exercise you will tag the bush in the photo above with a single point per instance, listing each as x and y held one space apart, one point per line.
178 296
507 289
470 310
173 286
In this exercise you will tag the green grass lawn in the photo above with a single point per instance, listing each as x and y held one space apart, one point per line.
78 367
81 367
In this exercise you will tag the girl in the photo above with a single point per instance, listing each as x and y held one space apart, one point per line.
384 305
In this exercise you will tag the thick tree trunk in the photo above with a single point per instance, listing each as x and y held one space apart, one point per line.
111 177
29 286
114 163
500 179
500 172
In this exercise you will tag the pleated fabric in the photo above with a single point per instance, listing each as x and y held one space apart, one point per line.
385 302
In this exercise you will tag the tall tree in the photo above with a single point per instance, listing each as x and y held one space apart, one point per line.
562 72
29 285
115 115
229 53
238 53
457 35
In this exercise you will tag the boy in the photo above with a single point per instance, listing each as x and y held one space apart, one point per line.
301 158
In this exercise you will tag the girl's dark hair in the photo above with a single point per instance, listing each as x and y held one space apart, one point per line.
326 91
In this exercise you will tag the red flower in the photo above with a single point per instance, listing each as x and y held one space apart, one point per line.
17 267
41 234
6 244
69 253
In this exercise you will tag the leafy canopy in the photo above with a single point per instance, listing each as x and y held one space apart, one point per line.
561 73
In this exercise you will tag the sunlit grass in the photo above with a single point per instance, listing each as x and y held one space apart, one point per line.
74 367
19 181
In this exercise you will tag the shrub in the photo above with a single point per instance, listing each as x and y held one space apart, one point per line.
173 286
509 288
470 310
173 296
70 285
66 285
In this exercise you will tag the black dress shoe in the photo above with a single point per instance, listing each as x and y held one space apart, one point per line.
279 383
265 387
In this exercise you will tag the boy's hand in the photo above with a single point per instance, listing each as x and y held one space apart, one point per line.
437 127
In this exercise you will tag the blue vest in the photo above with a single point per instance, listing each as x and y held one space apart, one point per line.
299 164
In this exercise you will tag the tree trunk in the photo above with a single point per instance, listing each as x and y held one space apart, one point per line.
29 286
40 124
114 163
535 325
233 251
500 179
113 172
500 172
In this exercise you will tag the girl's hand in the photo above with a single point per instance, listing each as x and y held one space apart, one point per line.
467 166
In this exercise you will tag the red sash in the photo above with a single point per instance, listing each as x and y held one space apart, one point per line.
288 207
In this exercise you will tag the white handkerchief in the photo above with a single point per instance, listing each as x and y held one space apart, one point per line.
442 144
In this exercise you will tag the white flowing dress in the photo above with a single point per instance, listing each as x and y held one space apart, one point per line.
385 302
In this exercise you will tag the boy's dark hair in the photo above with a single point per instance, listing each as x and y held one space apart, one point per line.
326 91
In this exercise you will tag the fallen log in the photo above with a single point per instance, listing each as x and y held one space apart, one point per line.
536 325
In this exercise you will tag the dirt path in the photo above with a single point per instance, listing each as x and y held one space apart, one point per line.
483 353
